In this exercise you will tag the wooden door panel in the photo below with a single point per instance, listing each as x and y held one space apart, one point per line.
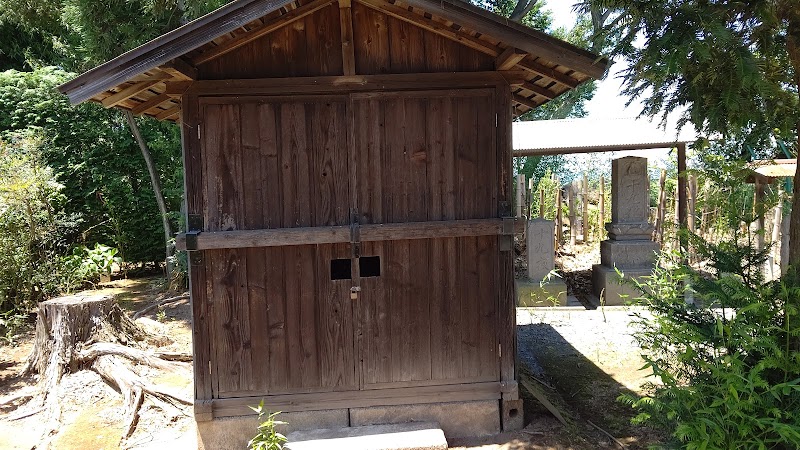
431 317
278 323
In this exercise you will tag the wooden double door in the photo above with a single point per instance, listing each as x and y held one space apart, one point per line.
361 315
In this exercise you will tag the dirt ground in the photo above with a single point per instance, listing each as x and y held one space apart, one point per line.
588 356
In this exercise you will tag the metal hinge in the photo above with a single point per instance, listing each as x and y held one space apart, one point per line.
499 350
198 131
209 367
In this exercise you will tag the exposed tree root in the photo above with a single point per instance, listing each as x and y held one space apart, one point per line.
74 333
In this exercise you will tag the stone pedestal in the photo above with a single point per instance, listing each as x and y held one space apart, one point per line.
540 289
629 247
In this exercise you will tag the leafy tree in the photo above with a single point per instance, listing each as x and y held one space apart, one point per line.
98 162
735 66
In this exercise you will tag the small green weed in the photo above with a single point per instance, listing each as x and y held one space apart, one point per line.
267 438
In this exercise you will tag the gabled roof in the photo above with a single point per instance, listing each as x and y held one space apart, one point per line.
588 135
138 79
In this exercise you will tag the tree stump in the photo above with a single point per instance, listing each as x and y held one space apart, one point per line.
91 332
66 323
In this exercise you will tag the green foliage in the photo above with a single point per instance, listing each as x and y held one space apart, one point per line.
550 186
729 375
85 265
729 63
32 224
94 156
267 437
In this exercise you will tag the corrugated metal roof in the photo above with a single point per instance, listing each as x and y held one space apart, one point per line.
585 135
775 169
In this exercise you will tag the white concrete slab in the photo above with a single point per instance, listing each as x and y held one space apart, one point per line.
403 436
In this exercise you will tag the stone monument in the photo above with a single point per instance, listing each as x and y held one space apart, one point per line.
539 289
629 247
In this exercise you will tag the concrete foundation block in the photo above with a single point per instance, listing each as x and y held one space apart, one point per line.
628 254
457 419
405 436
608 286
234 432
533 293
513 416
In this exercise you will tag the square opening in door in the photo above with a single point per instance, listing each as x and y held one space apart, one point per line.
369 266
341 269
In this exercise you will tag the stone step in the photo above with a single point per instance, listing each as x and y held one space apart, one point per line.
403 436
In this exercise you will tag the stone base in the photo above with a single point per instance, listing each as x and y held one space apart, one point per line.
606 284
406 436
627 255
234 432
513 415
533 293
457 419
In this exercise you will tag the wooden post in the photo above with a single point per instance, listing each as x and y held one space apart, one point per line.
573 231
541 203
662 204
602 207
520 193
529 197
559 217
692 202
585 208
681 197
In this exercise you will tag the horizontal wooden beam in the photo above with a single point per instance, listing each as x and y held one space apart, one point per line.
169 113
588 149
239 406
355 83
130 91
258 32
176 89
433 26
279 237
509 58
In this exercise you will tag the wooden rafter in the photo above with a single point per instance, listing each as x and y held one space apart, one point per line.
263 30
540 69
433 26
525 101
150 104
177 88
348 49
538 90
180 69
130 91
169 113
509 58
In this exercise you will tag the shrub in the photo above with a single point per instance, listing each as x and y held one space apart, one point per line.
728 372
31 225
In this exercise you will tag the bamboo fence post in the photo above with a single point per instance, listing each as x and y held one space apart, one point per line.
529 195
573 231
585 208
662 203
520 193
602 208
692 201
559 216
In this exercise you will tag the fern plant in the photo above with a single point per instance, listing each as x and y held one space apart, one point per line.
267 438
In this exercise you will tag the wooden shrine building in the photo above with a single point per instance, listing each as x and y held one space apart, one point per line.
348 197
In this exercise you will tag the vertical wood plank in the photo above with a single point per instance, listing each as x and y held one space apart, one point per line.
505 269
195 202
371 37
346 26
